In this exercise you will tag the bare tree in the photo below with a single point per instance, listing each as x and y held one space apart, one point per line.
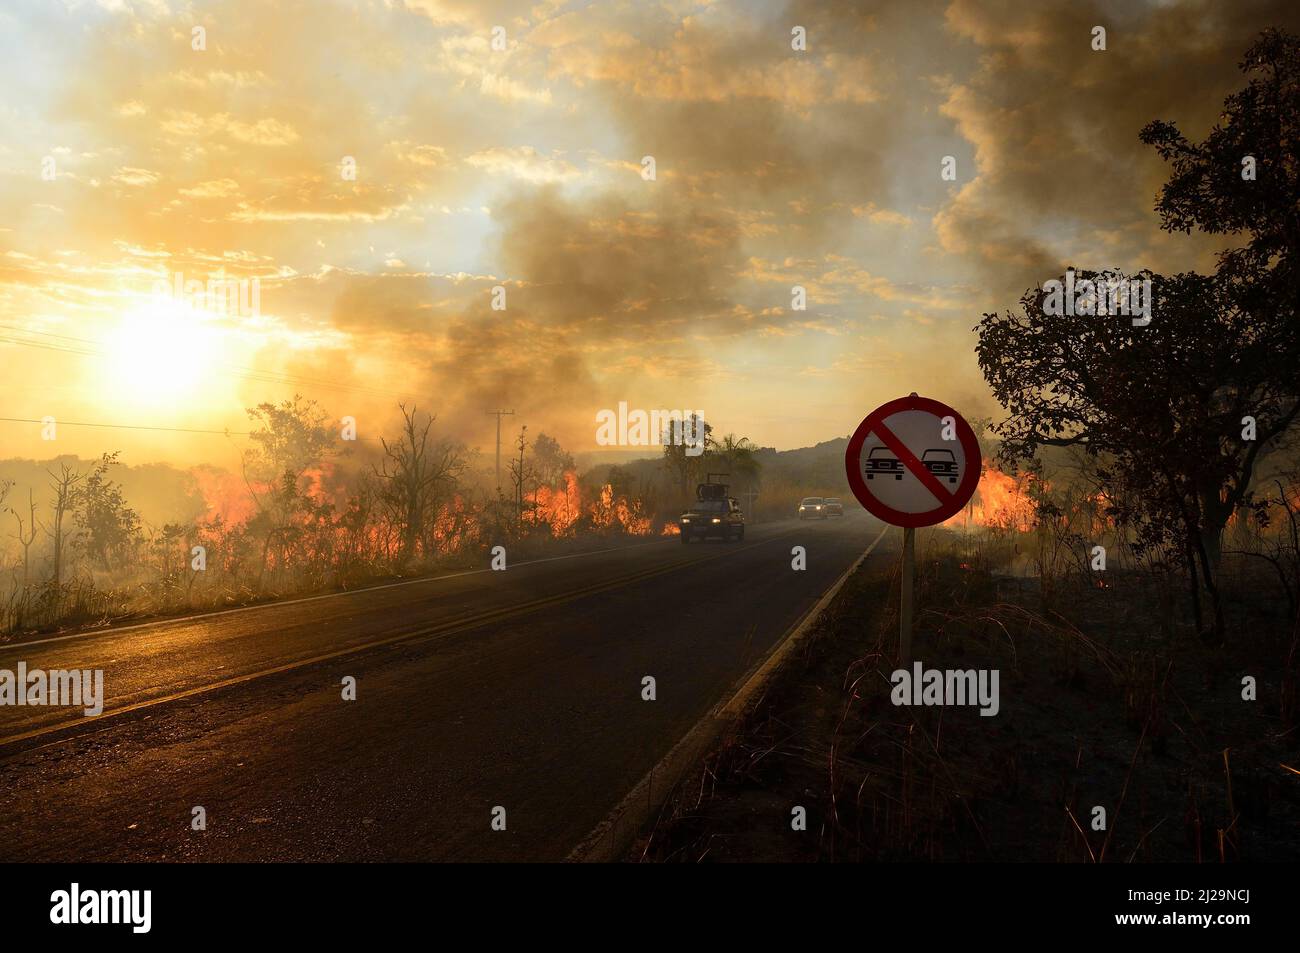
416 477
64 484
26 533
522 474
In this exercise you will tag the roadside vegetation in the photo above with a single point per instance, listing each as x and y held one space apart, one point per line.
1109 699
87 542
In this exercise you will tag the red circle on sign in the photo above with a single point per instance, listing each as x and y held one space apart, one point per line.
965 490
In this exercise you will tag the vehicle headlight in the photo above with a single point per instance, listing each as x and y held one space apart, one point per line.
819 507
717 519
686 519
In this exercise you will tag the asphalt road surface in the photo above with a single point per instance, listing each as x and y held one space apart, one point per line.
520 689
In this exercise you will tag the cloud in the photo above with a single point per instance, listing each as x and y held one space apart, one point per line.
524 162
1053 125
214 189
695 61
134 178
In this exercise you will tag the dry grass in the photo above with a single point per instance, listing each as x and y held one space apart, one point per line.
1108 699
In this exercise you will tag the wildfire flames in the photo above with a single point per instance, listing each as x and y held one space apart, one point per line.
561 510
455 526
1001 501
608 512
225 496
562 507
557 507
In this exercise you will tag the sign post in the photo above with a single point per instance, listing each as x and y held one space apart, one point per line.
905 598
912 462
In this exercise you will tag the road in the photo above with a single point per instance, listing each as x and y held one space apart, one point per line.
520 689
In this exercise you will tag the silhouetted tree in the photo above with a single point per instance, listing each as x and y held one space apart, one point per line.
26 533
110 528
1244 179
735 455
1162 406
291 439
620 481
64 485
550 460
1182 411
522 475
417 476
687 467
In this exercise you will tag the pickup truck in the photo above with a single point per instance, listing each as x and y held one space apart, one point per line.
712 514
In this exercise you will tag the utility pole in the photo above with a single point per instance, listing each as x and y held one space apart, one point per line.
499 414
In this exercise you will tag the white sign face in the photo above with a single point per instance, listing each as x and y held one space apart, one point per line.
893 482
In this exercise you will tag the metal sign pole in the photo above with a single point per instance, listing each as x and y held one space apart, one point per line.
905 599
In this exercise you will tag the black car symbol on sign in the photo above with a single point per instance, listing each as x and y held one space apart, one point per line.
881 460
941 463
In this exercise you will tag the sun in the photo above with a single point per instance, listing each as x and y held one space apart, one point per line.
163 351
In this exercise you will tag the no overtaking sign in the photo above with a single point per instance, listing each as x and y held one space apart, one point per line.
913 462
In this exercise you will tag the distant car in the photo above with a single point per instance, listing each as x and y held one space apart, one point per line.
941 463
719 517
882 462
833 506
812 508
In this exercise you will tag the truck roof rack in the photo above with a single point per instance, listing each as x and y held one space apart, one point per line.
711 491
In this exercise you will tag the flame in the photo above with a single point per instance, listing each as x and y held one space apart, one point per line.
562 509
557 507
610 511
1001 501
671 529
456 526
325 484
337 528
225 495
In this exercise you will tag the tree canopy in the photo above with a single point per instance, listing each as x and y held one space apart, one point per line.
1180 410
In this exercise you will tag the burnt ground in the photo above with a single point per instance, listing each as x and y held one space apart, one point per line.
1108 698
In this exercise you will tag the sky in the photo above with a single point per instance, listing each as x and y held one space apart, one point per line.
376 169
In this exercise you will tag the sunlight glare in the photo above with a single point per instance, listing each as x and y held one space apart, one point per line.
164 350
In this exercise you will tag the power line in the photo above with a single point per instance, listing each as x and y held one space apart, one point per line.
48 347
83 423
48 334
